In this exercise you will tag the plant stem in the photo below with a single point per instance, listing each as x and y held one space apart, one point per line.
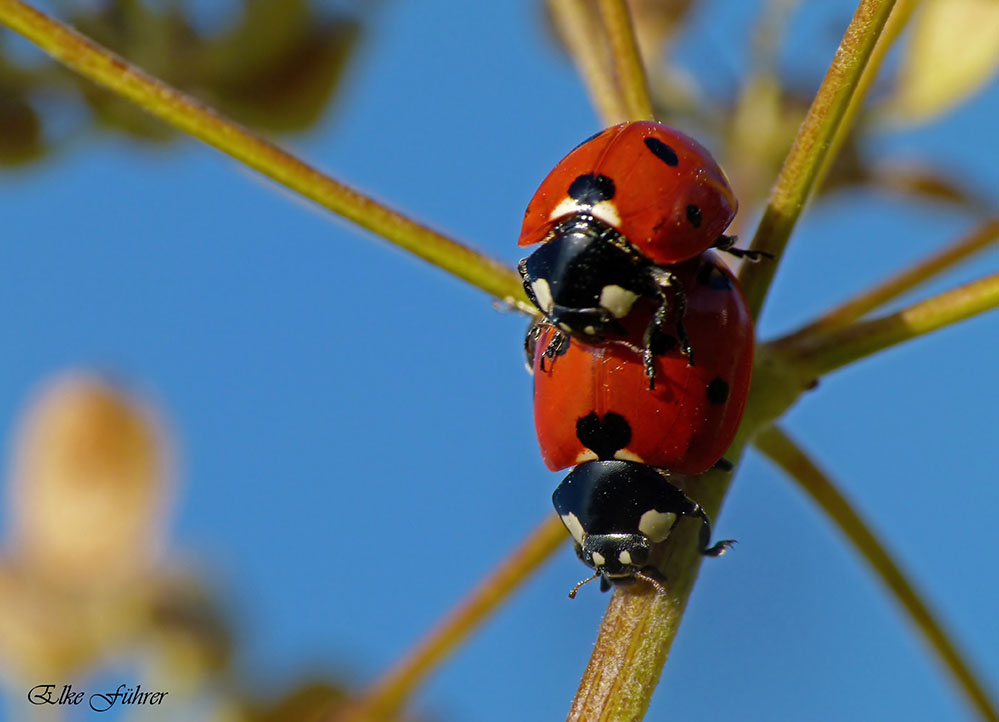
818 354
783 451
577 23
107 69
630 70
896 22
858 307
811 146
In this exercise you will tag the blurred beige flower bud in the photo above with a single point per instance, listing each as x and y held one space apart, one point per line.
88 486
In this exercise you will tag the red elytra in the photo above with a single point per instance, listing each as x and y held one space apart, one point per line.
594 402
658 187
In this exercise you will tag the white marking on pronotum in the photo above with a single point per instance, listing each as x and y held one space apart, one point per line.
574 527
543 293
656 525
604 210
598 559
607 212
567 207
586 455
625 455
624 557
617 300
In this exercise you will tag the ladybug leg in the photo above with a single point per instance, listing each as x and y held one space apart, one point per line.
648 361
528 289
723 464
727 243
531 343
558 344
681 330
705 538
662 281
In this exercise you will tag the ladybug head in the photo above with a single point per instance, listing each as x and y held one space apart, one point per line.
618 559
613 556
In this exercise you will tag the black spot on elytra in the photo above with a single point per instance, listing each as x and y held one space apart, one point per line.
591 189
711 276
592 137
662 343
603 437
694 216
718 391
662 151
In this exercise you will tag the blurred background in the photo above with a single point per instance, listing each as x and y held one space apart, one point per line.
253 453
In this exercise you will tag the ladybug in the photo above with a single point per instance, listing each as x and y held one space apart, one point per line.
655 186
618 512
592 402
613 217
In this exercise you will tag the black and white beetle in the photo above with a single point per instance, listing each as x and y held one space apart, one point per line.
618 512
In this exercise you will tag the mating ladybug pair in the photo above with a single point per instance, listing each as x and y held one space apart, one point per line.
642 365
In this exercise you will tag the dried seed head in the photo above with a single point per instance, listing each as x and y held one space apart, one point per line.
88 485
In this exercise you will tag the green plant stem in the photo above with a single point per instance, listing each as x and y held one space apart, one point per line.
818 354
896 22
974 242
811 146
386 698
783 451
630 71
107 69
579 27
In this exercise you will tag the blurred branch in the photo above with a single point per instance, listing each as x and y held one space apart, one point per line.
177 109
784 452
386 698
811 146
580 28
820 353
631 78
858 307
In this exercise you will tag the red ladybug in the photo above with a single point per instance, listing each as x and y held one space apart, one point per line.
614 218
593 402
654 185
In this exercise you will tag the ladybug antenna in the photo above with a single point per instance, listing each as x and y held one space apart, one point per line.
572 594
651 580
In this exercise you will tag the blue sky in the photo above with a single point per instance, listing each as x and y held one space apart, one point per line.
355 426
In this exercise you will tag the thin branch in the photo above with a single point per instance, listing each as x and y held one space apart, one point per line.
821 353
975 241
897 21
580 28
784 452
386 698
107 69
630 70
801 167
